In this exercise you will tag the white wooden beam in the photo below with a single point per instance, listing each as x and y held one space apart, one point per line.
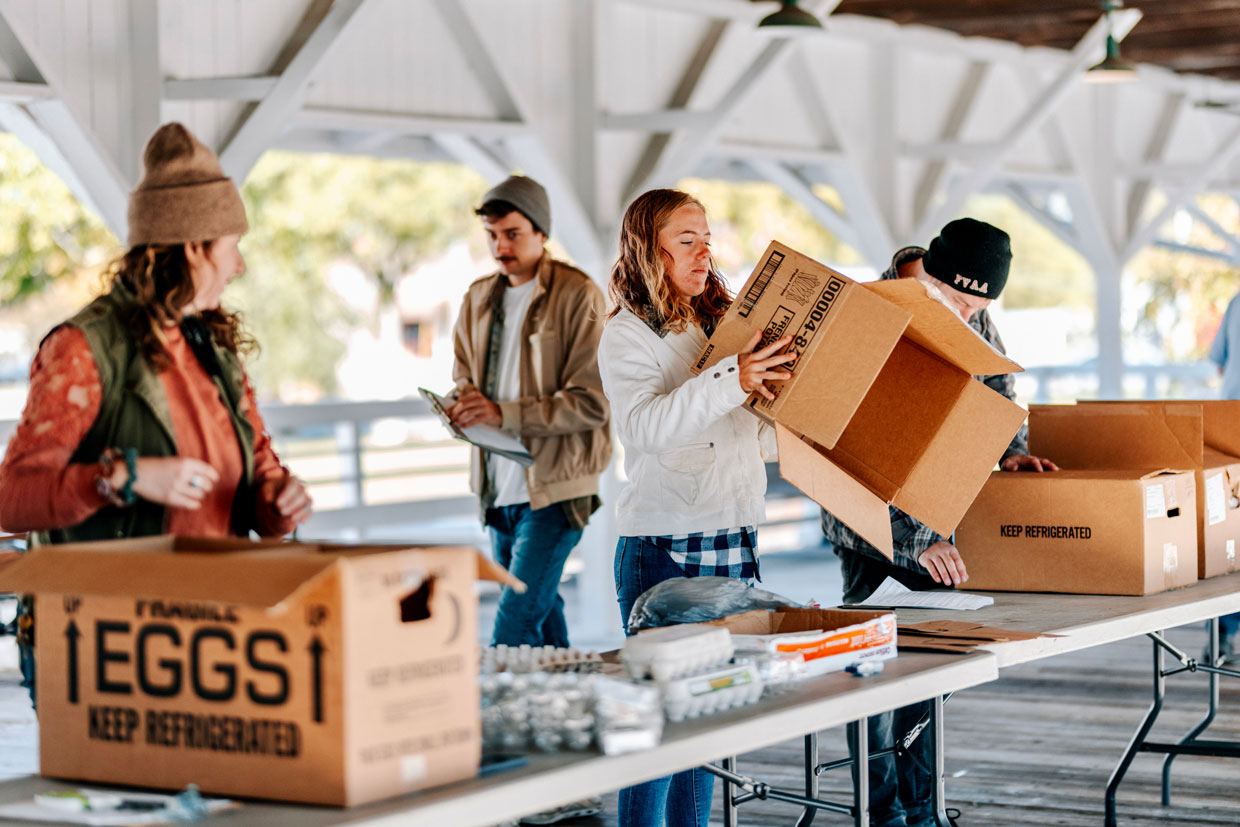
67 130
935 173
268 120
468 151
743 150
16 91
1222 233
17 121
407 123
1231 258
665 120
800 191
238 88
1223 155
146 72
478 57
686 149
743 10
1174 106
1034 116
1062 230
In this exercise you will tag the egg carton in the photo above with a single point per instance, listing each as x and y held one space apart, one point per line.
676 651
711 691
526 658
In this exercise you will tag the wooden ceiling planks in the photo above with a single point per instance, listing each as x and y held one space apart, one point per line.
1197 36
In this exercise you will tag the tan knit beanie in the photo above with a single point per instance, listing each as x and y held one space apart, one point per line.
183 195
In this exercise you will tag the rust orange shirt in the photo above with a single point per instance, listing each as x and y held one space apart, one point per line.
41 489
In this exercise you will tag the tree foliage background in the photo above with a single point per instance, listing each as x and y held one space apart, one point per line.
310 212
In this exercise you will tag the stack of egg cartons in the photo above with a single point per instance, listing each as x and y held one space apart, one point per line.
691 666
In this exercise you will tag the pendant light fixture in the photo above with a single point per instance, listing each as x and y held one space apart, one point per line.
1113 68
789 21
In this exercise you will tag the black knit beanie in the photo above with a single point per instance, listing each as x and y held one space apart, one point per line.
971 256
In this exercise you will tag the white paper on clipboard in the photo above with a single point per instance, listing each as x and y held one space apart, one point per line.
486 437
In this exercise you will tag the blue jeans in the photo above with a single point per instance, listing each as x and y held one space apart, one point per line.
900 787
683 799
533 544
1228 625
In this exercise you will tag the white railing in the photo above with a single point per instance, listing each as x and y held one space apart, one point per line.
1063 383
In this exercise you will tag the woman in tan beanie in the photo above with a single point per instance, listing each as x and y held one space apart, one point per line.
140 418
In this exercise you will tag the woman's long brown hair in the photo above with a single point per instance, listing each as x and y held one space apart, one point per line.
639 280
158 278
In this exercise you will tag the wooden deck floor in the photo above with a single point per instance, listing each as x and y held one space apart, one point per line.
1037 748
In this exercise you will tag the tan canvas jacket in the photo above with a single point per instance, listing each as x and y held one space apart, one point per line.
562 415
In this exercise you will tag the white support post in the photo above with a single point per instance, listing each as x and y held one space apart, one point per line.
146 78
936 172
1033 117
260 128
67 130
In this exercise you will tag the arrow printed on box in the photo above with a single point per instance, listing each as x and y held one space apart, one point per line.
316 651
72 634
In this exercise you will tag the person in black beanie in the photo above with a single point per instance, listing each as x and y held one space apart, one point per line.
966 267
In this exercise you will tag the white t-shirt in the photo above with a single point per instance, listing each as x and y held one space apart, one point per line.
508 478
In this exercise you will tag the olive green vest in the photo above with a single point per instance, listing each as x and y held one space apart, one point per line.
134 413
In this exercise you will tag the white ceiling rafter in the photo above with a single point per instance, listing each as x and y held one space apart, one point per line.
575 223
801 191
466 150
1222 233
146 113
1175 104
688 147
70 141
1224 153
1062 230
1032 118
260 127
935 173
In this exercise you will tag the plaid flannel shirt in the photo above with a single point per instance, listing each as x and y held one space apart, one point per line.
728 552
910 536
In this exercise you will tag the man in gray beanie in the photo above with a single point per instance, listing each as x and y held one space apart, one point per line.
966 267
526 345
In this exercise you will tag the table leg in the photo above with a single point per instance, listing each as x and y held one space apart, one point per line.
1212 647
1134 746
859 735
811 779
938 794
731 817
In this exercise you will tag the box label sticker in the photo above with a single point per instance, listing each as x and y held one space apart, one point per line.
413 769
801 288
1216 500
804 336
1155 501
1171 557
760 284
1231 553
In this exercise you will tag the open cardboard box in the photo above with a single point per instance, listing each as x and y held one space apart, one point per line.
882 407
1082 532
282 671
1201 435
828 639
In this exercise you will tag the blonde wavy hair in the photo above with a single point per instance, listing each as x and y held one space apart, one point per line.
639 281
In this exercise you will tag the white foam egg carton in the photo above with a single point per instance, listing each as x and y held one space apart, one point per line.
675 651
712 691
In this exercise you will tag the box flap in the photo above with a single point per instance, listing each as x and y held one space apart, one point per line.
1222 425
488 569
1118 434
1164 472
243 578
835 490
936 328
957 463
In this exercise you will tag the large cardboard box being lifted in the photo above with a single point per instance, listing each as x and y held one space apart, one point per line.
882 407
334 676
1082 532
1203 436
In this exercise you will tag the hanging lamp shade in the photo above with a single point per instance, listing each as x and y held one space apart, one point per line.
789 20
1113 68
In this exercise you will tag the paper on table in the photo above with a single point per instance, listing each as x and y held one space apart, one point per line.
893 593
487 437
128 810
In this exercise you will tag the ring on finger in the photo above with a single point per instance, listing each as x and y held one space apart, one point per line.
196 481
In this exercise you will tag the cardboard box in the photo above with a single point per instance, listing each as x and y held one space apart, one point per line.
882 407
1200 435
1082 532
285 672
833 639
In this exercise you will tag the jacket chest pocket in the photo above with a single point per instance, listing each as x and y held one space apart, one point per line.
686 472
545 359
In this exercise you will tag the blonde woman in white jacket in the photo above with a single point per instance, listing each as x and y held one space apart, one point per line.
693 458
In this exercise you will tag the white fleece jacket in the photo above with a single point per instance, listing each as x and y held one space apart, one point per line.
693 456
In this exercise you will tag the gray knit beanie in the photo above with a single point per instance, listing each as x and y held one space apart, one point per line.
184 195
527 195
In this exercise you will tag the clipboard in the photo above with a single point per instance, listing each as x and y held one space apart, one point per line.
488 438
